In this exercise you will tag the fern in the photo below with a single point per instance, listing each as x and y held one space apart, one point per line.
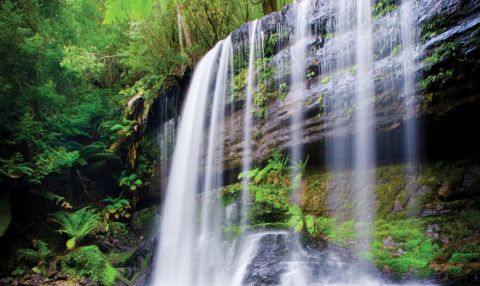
76 225
39 255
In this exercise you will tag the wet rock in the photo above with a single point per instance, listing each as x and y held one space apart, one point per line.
266 268
434 210
135 106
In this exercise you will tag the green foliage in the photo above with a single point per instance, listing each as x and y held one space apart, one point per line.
383 7
312 75
52 161
116 207
283 88
5 216
116 229
57 199
76 225
433 27
39 255
396 50
124 10
132 182
326 79
89 261
231 193
410 250
14 167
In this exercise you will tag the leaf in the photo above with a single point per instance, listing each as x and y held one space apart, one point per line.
299 226
71 244
310 222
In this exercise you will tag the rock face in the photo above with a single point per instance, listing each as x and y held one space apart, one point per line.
446 81
274 264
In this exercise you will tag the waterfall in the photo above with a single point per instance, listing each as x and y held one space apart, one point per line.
298 51
410 130
177 257
364 141
194 248
254 34
210 240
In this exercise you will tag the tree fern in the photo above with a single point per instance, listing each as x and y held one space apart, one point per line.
76 225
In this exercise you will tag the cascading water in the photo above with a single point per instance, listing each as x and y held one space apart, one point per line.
247 117
410 130
298 52
193 247
176 256
364 141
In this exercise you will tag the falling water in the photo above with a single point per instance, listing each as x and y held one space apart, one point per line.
408 31
176 259
254 34
298 52
193 247
364 141
210 240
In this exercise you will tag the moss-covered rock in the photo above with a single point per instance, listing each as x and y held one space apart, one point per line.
89 261
144 221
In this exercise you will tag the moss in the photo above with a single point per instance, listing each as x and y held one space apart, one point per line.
410 251
390 184
89 261
144 221
120 258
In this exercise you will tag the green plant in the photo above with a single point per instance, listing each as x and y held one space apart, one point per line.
396 50
40 254
326 79
383 7
89 261
299 221
116 207
283 88
132 182
310 75
76 225
57 199
299 169
14 167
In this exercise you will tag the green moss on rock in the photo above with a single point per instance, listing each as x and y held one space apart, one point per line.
89 261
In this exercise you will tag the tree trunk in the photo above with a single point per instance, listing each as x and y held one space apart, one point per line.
269 6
